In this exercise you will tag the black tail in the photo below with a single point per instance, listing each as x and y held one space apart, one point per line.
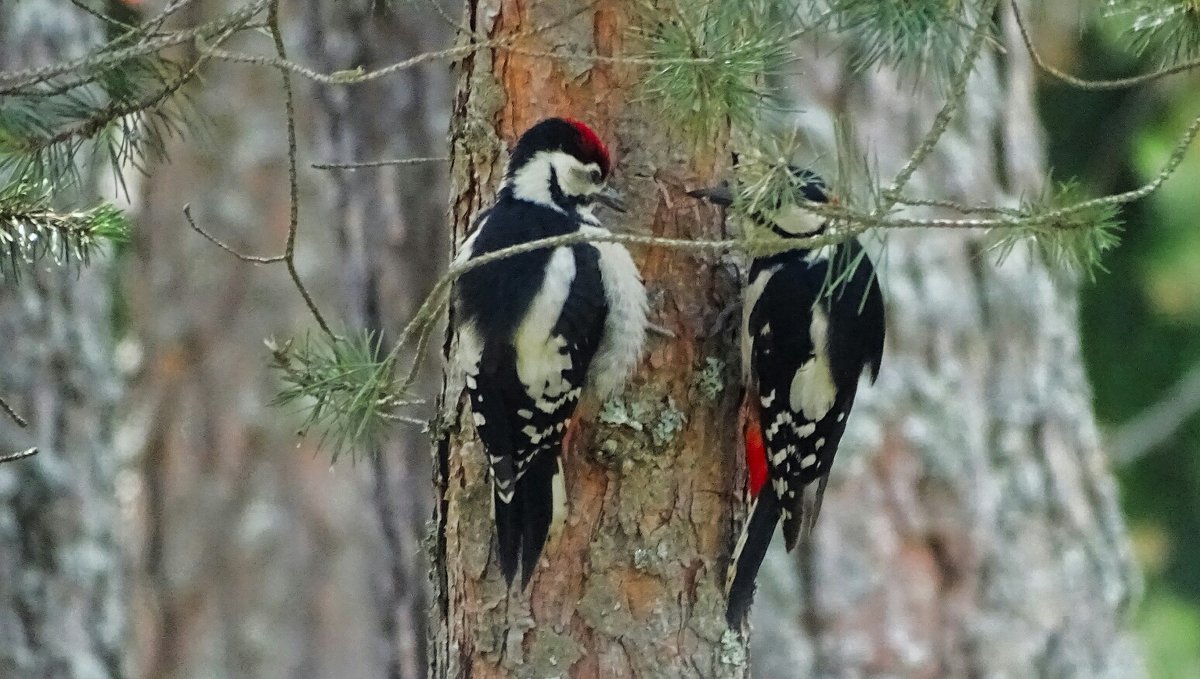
535 492
508 533
523 524
748 556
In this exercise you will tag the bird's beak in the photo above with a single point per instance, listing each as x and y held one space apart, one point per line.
719 194
612 198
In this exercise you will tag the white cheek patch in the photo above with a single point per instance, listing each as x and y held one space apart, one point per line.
797 221
574 178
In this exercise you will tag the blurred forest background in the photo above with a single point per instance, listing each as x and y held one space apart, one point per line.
249 555
1140 320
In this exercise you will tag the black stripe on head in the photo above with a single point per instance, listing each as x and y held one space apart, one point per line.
812 187
558 134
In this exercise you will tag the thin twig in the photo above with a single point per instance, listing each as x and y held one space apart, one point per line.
348 77
379 163
1084 84
93 125
21 421
293 182
253 259
355 76
958 89
29 452
1159 422
961 208
15 80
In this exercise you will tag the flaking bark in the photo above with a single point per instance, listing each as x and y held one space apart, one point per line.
634 584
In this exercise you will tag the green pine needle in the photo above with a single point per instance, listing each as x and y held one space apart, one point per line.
713 60
31 230
345 387
121 116
1075 242
1166 29
918 37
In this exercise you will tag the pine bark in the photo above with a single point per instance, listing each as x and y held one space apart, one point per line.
391 227
253 555
633 584
971 527
62 588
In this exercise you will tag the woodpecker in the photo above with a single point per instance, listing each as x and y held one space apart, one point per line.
540 330
812 324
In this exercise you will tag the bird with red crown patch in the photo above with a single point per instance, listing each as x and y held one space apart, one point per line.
540 331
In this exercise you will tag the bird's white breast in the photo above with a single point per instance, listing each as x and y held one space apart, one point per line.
624 336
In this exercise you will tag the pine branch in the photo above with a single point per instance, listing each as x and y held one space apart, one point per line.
124 115
1166 29
116 52
1075 242
21 455
711 61
1085 84
923 39
345 387
31 230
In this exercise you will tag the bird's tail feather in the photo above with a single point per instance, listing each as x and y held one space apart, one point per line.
749 554
508 534
535 495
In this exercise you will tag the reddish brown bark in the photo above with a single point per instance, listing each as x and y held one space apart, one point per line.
634 582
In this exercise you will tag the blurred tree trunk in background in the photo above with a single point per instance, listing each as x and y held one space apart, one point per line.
971 527
390 225
254 557
62 590
632 586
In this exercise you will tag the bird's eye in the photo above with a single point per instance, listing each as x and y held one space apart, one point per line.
595 175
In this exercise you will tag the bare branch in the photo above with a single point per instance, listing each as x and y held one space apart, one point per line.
379 163
1158 423
289 256
21 421
1084 84
253 259
28 452
15 80
958 89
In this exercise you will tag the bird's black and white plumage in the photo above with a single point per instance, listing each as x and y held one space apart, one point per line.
538 330
812 324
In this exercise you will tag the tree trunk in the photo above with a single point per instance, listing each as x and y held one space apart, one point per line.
971 526
632 586
253 556
391 229
62 610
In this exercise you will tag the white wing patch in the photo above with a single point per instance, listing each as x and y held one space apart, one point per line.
812 391
540 356
753 292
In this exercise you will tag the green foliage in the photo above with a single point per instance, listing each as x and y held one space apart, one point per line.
122 115
1066 240
345 386
712 59
919 37
1166 29
31 230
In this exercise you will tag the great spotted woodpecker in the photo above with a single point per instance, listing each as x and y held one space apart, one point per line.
539 330
812 323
